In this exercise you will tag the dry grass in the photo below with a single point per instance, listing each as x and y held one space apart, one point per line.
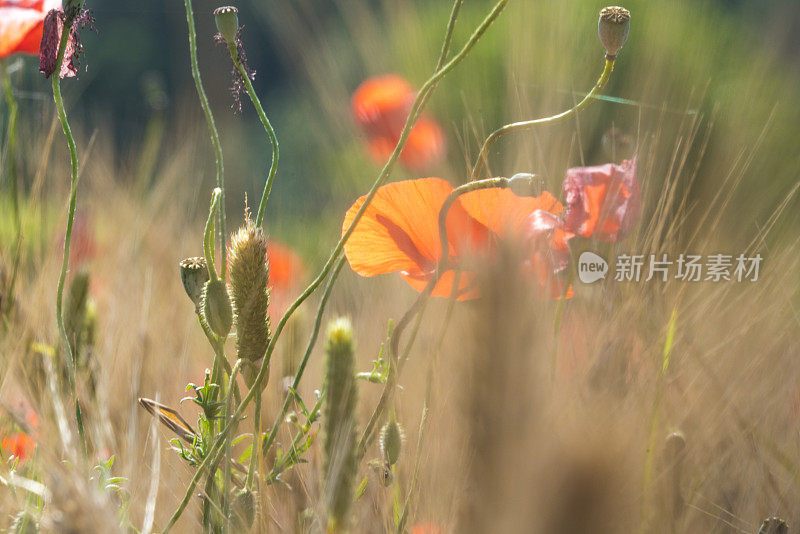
513 442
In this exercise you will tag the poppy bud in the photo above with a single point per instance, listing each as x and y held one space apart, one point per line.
522 184
227 19
216 307
391 442
194 275
244 508
613 28
340 462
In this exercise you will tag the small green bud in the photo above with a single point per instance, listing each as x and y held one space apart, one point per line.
391 442
613 27
244 508
523 184
227 19
194 275
216 308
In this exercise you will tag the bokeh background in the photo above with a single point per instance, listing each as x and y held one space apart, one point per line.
705 92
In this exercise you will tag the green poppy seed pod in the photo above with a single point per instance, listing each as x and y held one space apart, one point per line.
227 19
523 184
340 462
216 308
613 27
244 508
391 442
249 292
194 275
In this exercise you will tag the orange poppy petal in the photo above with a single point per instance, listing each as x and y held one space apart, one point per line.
20 30
467 288
399 229
502 211
425 145
381 104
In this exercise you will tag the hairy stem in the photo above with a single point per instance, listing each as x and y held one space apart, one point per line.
73 197
273 139
212 128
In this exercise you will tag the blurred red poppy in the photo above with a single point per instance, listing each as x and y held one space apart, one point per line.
21 25
286 272
602 201
381 106
399 231
20 445
426 528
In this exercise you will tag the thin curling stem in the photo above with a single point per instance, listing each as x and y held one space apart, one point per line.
273 139
212 128
73 197
334 257
396 363
483 155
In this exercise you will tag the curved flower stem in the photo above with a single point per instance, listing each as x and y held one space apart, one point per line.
273 432
73 197
483 155
395 362
334 257
273 139
11 155
212 128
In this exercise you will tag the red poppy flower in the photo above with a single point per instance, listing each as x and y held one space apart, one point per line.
381 106
20 445
426 528
602 201
399 231
286 271
21 25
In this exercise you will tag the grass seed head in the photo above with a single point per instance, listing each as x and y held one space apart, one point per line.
250 292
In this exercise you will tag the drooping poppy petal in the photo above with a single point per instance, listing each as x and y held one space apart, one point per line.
21 24
51 38
602 201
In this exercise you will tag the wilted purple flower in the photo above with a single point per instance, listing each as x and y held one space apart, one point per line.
602 201
52 30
